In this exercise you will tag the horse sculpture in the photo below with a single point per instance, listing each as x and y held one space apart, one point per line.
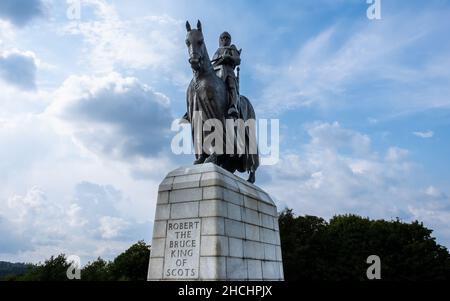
207 99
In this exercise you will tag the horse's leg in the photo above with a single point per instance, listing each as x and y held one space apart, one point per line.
226 163
252 177
201 159
212 158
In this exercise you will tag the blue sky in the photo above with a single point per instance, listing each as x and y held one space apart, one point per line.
86 107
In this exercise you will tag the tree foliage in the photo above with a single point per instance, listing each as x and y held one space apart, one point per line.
98 270
314 249
53 269
11 271
130 265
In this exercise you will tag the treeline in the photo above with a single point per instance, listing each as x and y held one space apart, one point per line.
131 265
8 268
312 249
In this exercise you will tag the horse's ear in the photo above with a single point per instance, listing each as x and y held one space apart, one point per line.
188 26
199 25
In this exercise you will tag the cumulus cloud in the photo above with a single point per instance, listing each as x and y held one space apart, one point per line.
332 135
331 177
20 12
114 115
324 178
19 69
69 212
35 218
150 42
96 208
34 223
433 208
111 227
425 135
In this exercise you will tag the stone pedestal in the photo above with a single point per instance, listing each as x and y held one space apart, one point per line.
213 225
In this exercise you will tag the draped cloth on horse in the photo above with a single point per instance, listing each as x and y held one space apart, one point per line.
249 161
201 109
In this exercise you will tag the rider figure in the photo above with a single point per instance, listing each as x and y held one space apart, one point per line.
225 60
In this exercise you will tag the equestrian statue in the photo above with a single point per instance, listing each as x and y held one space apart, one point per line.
213 94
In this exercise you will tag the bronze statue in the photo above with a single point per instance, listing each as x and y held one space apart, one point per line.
225 60
217 98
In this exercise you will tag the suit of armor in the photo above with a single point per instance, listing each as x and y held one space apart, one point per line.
225 60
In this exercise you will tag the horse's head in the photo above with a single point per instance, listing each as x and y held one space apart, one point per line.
196 46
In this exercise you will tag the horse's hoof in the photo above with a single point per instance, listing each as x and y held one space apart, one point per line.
252 177
211 159
200 160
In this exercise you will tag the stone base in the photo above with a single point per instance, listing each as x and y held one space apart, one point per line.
213 225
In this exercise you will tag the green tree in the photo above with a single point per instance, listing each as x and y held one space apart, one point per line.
316 250
13 269
132 265
99 270
53 269
302 241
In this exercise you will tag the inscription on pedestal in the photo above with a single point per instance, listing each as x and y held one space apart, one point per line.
182 249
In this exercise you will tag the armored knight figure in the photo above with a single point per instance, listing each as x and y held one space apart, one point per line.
225 60
213 94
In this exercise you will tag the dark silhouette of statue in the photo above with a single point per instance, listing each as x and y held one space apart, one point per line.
215 96
225 60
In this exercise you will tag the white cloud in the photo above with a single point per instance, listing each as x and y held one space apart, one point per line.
37 152
151 42
112 227
37 219
433 208
75 219
38 226
113 115
427 134
7 34
433 192
64 214
324 178
332 177
396 154
334 136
